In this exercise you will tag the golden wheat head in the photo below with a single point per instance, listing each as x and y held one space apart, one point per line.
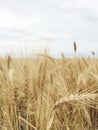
75 47
93 53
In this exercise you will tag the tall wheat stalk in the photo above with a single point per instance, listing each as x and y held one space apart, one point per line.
75 48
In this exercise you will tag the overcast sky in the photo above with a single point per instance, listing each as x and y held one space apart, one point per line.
33 24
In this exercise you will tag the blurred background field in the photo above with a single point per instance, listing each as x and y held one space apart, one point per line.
46 93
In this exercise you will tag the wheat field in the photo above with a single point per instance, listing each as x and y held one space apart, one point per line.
45 93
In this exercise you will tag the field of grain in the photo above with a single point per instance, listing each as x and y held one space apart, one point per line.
45 93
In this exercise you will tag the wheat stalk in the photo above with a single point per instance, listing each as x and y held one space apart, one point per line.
9 61
75 48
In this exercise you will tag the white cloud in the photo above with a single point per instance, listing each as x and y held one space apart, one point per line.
55 22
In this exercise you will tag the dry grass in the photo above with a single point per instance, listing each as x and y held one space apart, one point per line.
45 93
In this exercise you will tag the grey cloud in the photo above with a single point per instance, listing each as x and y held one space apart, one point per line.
15 33
47 39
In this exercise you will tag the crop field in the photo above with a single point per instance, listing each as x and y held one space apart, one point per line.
45 93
